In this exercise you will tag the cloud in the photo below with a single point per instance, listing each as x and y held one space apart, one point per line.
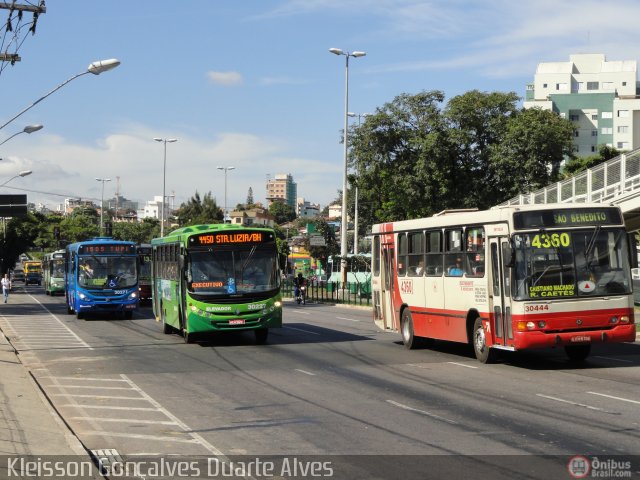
225 78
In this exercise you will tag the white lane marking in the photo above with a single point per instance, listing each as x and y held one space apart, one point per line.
108 407
90 379
101 397
92 387
570 402
300 312
125 420
615 398
462 365
614 359
417 365
301 330
62 324
304 371
423 412
349 319
140 436
197 438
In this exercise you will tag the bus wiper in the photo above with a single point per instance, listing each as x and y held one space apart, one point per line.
253 250
591 244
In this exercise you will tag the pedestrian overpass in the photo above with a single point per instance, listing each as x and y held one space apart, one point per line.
616 181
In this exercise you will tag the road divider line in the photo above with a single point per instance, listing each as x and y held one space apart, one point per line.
304 371
101 397
110 407
301 330
616 398
572 403
613 359
349 319
139 436
422 412
125 420
462 365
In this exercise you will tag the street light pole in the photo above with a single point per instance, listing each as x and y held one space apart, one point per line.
27 129
96 68
343 225
103 180
164 177
23 173
355 220
224 216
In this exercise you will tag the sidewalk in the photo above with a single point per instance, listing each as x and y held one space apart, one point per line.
28 424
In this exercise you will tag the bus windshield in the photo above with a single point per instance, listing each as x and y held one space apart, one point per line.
107 272
251 269
57 268
575 263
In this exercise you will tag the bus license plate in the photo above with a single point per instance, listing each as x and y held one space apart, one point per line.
581 338
238 321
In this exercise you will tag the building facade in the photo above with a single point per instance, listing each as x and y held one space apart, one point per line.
282 188
601 97
306 209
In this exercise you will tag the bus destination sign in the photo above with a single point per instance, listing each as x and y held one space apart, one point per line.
568 217
106 248
231 238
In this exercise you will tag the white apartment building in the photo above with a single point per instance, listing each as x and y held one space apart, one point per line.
602 98
306 209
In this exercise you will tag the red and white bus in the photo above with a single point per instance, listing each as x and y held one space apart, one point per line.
509 278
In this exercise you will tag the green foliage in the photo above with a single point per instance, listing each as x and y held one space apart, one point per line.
578 164
139 232
197 211
283 212
331 248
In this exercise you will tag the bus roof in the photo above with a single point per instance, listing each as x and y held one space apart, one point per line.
501 213
182 233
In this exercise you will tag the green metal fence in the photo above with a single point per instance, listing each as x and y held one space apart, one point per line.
352 293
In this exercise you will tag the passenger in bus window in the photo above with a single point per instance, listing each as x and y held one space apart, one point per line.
456 270
420 268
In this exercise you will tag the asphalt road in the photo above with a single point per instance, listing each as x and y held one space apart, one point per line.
327 383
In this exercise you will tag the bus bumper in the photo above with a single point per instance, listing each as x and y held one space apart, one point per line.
263 319
541 339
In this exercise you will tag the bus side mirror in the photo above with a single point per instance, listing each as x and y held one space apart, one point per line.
509 255
633 249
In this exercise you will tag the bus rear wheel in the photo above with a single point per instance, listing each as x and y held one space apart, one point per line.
484 354
406 329
577 353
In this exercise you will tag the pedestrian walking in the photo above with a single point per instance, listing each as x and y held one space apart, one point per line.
6 287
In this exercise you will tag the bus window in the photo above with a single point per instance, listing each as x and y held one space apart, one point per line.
454 259
376 254
434 253
416 254
475 251
402 254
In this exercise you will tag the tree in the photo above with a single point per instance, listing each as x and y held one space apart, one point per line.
197 211
331 247
282 211
530 153
139 232
250 196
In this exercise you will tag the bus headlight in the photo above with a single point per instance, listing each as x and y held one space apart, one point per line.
542 324
133 295
522 326
277 304
82 296
624 319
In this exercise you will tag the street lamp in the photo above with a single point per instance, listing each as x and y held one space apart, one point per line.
224 219
164 176
23 173
343 225
103 180
355 220
96 68
27 129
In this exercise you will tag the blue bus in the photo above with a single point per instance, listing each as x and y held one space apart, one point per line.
101 276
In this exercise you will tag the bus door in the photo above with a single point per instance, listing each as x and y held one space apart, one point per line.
500 292
387 281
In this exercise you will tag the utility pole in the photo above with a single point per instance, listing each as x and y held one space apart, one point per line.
8 27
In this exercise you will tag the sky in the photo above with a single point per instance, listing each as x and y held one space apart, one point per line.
251 84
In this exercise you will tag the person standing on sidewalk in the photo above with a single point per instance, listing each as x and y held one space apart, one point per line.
6 287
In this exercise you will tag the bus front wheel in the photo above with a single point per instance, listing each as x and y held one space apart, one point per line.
484 354
261 335
406 329
577 353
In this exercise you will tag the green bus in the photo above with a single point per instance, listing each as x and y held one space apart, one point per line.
216 278
53 272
